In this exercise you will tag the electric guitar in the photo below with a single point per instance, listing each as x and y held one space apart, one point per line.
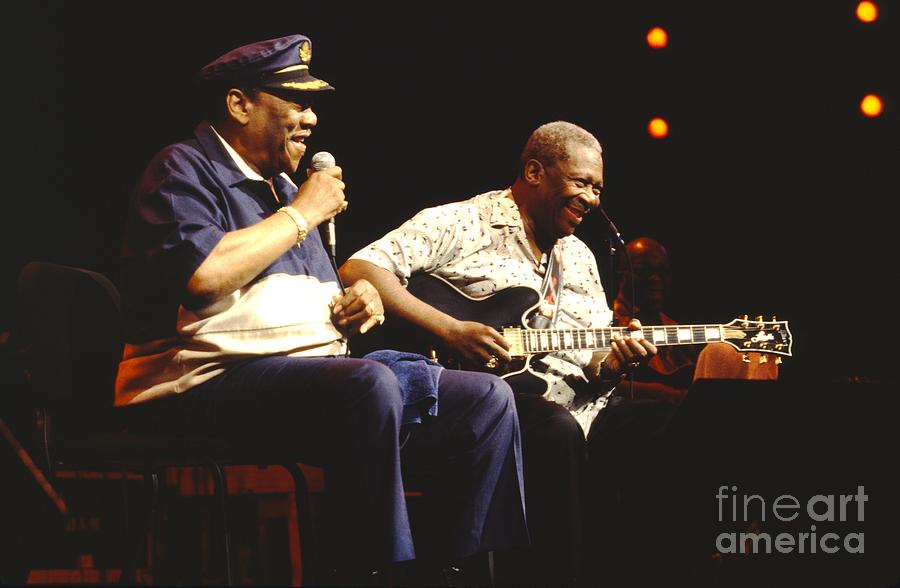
508 310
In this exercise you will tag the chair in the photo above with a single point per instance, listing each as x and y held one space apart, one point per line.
69 330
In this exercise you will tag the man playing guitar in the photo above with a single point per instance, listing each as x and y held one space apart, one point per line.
523 236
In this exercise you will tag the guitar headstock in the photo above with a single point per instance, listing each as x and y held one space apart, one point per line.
745 334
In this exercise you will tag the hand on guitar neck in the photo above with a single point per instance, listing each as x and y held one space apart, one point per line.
625 354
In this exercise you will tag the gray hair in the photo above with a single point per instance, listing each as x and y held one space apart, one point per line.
550 143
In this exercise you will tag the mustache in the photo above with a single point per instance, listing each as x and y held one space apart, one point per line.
580 206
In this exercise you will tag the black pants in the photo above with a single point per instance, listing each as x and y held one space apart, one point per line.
553 445
630 523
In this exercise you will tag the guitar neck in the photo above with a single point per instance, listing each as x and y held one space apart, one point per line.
531 341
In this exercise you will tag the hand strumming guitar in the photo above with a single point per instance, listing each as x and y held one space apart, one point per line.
477 345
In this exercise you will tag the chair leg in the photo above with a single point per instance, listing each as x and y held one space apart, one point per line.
141 537
304 523
490 563
152 477
130 539
220 488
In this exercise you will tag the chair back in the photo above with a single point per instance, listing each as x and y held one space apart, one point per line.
69 329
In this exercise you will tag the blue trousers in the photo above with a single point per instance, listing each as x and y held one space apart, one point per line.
344 415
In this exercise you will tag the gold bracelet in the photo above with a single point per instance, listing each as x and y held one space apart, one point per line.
302 225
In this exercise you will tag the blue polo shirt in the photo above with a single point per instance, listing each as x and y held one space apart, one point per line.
190 195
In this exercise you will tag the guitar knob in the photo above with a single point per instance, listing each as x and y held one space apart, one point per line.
778 360
745 358
763 359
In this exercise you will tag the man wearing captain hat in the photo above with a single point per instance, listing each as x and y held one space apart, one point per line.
236 324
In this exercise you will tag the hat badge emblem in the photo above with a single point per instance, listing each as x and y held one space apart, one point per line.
305 51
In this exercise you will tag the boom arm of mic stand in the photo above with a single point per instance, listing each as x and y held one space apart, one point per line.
615 231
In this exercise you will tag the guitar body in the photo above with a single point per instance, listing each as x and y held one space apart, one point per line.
507 307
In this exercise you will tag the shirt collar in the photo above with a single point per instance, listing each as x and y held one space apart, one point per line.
504 211
238 160
239 170
224 165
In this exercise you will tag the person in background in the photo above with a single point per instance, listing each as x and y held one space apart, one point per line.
629 443
669 373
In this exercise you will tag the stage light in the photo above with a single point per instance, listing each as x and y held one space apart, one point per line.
871 105
657 38
867 11
658 128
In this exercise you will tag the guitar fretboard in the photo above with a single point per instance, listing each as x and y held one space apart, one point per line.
529 341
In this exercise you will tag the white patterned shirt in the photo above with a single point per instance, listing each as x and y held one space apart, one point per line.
480 246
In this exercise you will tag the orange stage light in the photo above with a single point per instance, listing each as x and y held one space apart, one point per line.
658 128
657 38
867 11
871 105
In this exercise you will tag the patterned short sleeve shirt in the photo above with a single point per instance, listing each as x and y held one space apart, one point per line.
479 245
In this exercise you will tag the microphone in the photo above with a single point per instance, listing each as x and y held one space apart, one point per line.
324 160
612 225
615 231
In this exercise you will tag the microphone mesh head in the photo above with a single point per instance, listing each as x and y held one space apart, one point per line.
322 160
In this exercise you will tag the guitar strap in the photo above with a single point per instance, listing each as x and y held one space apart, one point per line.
550 292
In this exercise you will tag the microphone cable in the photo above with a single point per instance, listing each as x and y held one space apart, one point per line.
337 274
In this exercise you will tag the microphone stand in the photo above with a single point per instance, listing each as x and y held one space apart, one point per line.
616 237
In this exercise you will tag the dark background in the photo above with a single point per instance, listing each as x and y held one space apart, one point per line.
772 192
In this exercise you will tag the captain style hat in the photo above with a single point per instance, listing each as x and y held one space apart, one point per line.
278 64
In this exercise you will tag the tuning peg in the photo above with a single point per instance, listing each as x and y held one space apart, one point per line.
747 343
779 346
745 358
774 318
743 317
759 318
763 359
778 360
